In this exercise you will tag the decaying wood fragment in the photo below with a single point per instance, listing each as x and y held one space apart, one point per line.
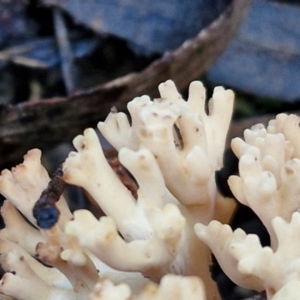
44 210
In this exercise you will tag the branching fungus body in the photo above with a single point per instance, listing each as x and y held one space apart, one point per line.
159 236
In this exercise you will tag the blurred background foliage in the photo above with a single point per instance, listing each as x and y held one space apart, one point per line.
54 48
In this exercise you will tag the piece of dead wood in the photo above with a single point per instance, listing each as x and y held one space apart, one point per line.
46 123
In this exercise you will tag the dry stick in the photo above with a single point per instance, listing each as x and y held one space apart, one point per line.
17 55
65 52
44 210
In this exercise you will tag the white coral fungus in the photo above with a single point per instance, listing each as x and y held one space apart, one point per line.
156 244
268 182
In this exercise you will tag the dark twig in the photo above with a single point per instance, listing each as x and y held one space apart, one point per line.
44 210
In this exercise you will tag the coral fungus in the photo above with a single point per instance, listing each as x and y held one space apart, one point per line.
157 243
